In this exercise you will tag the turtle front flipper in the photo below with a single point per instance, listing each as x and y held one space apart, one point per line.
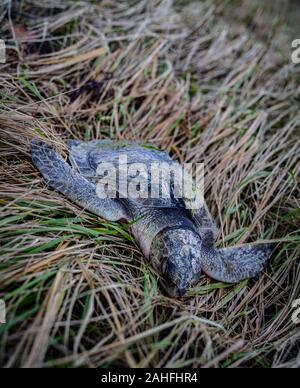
63 178
234 264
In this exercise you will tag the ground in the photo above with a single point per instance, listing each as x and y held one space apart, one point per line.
209 81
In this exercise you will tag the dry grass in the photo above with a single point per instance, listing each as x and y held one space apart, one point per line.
197 82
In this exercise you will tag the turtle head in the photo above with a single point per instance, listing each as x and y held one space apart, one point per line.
175 254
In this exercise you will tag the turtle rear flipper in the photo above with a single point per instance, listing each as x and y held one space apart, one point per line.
234 264
63 178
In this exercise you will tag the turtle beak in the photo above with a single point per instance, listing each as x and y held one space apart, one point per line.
172 290
182 292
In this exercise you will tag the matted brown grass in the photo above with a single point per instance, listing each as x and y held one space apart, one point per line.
192 80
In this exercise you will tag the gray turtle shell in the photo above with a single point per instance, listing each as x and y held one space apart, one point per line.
86 157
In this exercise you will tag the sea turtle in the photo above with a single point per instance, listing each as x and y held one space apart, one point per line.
177 241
